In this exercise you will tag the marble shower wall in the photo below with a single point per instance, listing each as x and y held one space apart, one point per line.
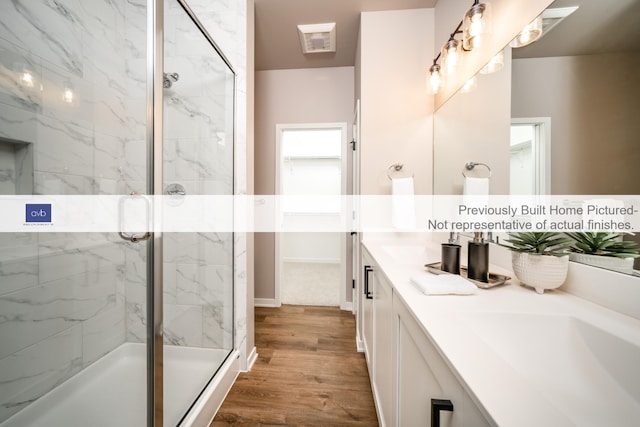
62 297
67 300
226 22
198 154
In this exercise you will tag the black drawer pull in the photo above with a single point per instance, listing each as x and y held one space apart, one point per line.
438 405
367 293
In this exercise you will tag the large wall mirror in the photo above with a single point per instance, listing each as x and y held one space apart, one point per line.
561 117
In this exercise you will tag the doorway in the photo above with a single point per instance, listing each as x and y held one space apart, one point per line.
530 151
310 266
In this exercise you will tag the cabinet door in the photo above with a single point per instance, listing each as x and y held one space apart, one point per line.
384 348
423 375
367 309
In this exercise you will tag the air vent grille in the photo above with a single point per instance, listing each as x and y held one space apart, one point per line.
318 38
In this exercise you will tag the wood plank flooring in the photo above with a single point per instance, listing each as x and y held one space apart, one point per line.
308 373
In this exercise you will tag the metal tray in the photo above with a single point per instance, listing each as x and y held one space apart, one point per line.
494 278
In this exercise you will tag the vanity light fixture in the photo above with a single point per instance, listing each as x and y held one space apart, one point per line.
540 26
477 25
451 56
495 64
435 78
530 33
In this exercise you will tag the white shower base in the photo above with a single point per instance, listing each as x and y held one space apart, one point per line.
112 391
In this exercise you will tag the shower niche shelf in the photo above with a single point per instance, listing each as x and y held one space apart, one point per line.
16 167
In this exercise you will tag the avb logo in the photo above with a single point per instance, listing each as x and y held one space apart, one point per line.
38 213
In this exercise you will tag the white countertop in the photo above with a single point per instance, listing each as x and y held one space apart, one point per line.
526 359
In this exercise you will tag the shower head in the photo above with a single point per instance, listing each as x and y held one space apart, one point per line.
169 79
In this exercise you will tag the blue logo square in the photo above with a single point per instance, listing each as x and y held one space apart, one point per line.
38 213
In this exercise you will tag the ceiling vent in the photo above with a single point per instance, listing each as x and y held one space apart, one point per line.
318 38
552 17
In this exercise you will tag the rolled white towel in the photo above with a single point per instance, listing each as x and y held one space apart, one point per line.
443 284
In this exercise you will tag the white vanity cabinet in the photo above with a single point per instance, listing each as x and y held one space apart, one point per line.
384 348
366 315
405 368
378 337
423 375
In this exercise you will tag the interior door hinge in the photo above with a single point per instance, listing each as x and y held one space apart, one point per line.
353 283
353 144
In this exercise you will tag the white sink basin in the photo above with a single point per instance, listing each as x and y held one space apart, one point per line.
407 254
586 372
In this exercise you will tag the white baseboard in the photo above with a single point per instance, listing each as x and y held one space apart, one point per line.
347 306
313 260
359 345
251 359
376 401
265 302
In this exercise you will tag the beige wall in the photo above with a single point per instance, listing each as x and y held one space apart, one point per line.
396 111
319 95
508 17
593 104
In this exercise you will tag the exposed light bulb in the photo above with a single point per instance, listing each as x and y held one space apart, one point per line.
435 78
530 33
451 56
477 25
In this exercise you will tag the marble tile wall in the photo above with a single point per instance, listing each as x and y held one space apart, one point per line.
226 22
198 154
65 301
62 297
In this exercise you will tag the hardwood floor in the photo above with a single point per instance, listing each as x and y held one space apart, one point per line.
308 373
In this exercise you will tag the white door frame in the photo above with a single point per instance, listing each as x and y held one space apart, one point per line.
280 128
357 238
541 151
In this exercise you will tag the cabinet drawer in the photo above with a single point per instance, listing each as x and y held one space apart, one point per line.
423 375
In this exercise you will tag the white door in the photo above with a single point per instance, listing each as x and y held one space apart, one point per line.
530 156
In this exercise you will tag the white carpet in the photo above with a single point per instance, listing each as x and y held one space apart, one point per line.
310 283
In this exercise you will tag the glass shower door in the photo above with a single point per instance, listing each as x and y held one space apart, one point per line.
198 160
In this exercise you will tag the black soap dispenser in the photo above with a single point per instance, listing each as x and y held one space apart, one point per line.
478 259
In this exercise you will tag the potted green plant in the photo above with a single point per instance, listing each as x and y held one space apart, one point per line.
604 250
539 259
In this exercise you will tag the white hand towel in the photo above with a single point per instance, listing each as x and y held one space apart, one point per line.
476 186
403 209
443 284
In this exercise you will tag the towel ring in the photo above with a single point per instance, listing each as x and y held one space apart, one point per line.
397 167
471 165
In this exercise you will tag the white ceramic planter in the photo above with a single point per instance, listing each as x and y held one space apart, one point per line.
541 272
622 265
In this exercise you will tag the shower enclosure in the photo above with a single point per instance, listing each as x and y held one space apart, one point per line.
112 97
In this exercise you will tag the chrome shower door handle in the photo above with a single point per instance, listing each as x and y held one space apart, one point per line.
135 237
175 190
